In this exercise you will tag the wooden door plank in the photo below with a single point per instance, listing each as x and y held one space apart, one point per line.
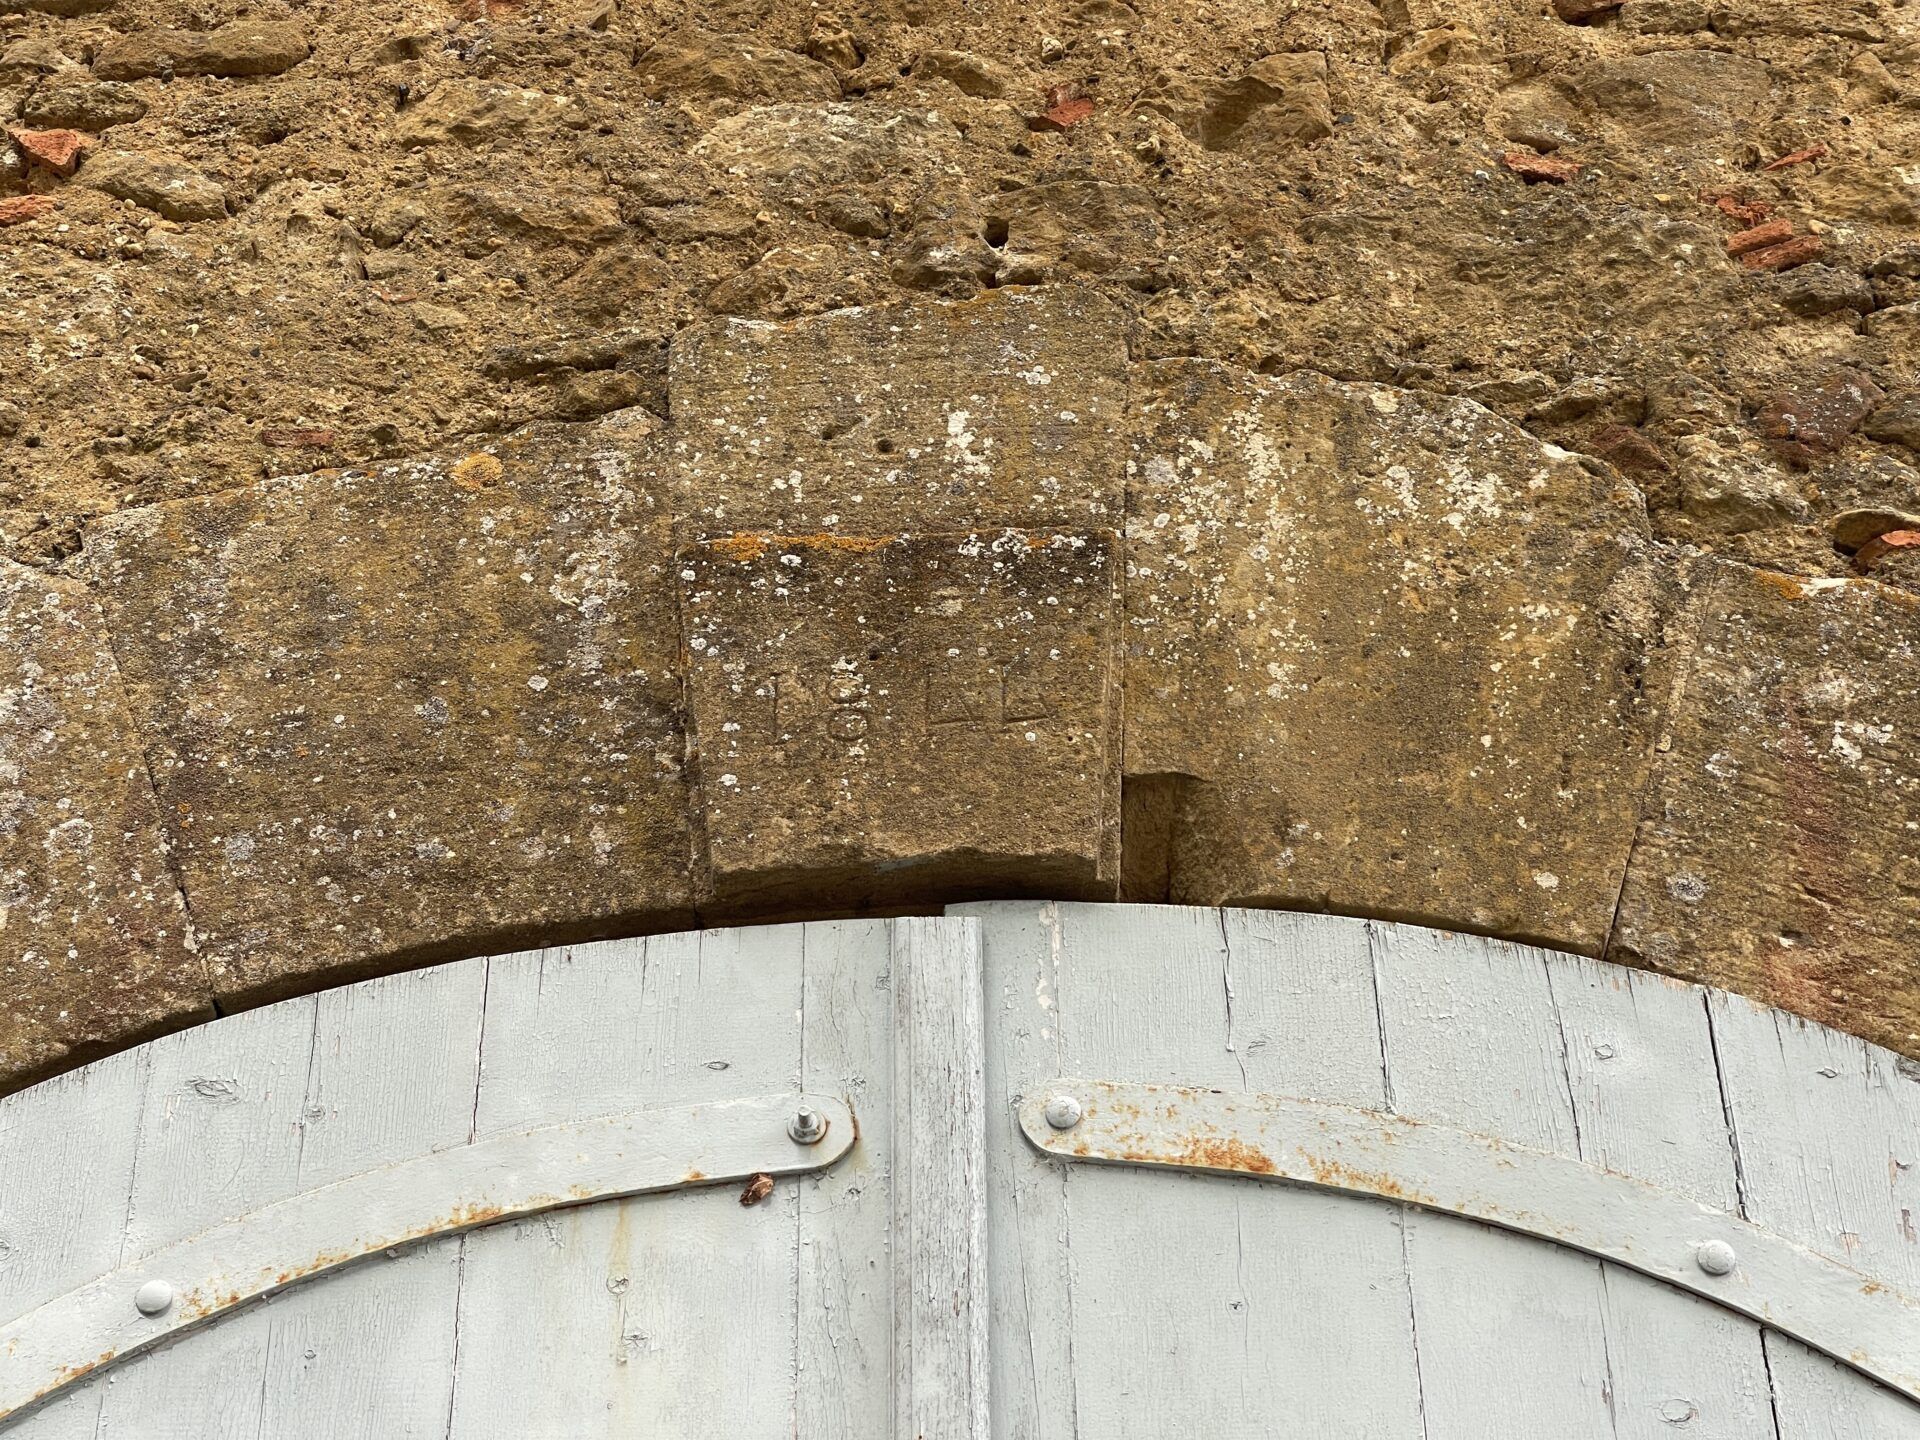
69 1147
1821 1399
1029 1244
221 1126
1167 1290
1564 1055
1646 1096
394 1069
387 1073
844 1312
1827 1128
939 1200
667 1315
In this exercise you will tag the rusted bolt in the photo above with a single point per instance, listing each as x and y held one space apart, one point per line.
808 1127
1716 1257
1063 1112
153 1298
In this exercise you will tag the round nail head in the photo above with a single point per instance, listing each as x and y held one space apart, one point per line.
1716 1257
1063 1112
153 1298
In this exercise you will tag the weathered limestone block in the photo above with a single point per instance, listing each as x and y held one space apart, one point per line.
996 412
1780 855
892 720
1385 656
425 711
94 949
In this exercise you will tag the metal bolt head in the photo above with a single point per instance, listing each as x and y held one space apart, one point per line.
153 1298
1063 1112
807 1127
1716 1257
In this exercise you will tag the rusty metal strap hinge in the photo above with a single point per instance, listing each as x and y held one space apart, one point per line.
1858 1319
500 1178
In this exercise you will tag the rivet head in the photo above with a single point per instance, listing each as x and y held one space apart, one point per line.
153 1298
807 1127
1063 1112
1716 1257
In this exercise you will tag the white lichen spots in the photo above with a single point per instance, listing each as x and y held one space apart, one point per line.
238 849
1848 736
1686 888
537 682
1546 879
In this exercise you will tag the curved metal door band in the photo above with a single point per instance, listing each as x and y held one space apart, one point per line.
505 1177
1851 1317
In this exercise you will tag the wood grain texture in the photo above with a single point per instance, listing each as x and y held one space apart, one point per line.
938 1234
669 1314
844 1297
67 1151
1827 1133
1477 1038
1136 1304
1512 1335
1108 1302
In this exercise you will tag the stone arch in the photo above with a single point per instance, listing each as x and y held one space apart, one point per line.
929 602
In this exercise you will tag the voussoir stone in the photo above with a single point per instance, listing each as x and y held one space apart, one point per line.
1780 855
425 711
1386 655
94 944
917 417
892 720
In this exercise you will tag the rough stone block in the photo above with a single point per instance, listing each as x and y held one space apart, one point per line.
1780 855
887 720
926 417
426 711
1387 655
94 948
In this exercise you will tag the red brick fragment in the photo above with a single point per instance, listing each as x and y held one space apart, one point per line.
1759 237
18 209
1813 418
1798 157
1065 108
1534 168
1738 207
60 151
1797 251
298 438
1629 451
1881 546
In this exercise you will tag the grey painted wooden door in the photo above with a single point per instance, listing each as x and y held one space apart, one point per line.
681 1312
1147 1297
1031 1171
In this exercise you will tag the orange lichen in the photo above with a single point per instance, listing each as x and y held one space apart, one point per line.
1785 584
478 471
750 545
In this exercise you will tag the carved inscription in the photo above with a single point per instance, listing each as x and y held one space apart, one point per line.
894 700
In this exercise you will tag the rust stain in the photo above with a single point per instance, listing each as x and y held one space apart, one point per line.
70 1373
1211 1152
693 1177
1343 1176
